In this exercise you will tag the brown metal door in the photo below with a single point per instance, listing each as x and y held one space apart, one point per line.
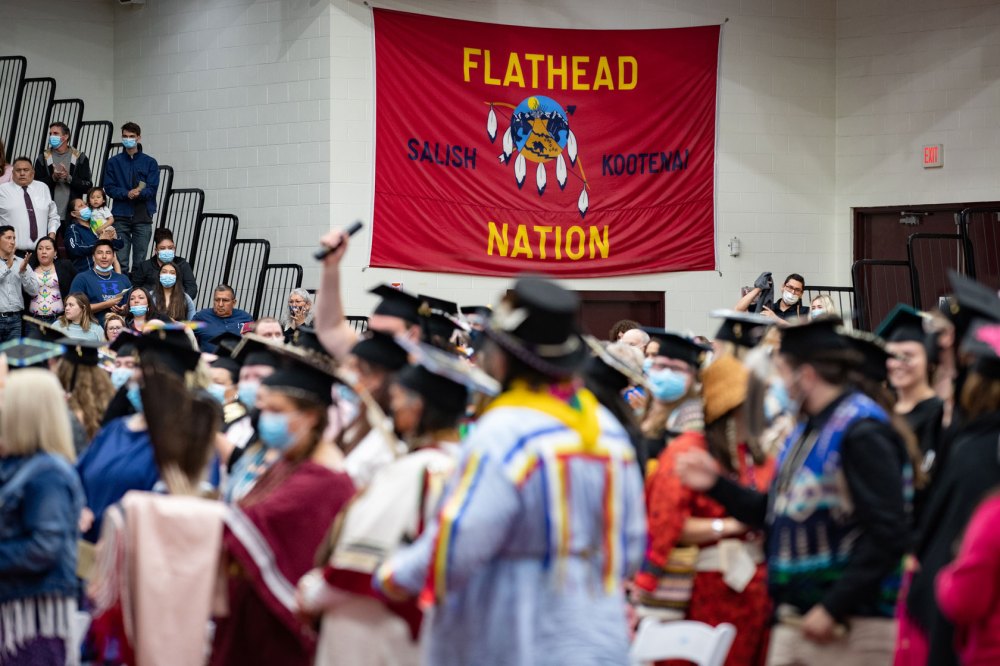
600 310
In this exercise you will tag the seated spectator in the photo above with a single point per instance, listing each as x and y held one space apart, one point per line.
77 321
104 287
822 305
620 327
169 298
88 387
300 304
635 337
269 328
42 499
139 311
146 274
81 236
54 278
783 310
222 316
113 326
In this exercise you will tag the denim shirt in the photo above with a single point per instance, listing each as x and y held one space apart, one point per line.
39 515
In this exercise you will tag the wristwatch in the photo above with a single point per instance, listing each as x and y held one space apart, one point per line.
718 526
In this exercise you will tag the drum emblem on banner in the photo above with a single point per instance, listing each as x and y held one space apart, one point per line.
539 131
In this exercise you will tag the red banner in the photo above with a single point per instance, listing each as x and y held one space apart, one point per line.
575 153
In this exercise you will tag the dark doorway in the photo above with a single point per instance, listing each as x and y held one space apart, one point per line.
600 310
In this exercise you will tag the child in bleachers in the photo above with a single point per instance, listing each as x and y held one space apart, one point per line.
81 236
100 212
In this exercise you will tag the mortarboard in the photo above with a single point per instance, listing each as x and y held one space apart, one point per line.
813 338
305 338
971 300
255 350
81 352
678 347
27 352
225 343
434 369
873 351
397 303
302 374
46 331
168 345
381 349
229 365
745 329
903 324
983 342
439 304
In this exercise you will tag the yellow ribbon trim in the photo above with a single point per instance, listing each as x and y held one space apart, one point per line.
583 421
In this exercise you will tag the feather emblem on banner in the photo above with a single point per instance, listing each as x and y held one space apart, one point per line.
584 202
561 172
571 148
508 146
540 178
491 124
520 169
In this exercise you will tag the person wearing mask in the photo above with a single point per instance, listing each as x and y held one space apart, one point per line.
782 311
104 287
146 274
835 516
169 298
40 504
77 320
224 373
971 472
675 405
822 305
613 374
300 303
222 317
691 528
15 281
54 278
359 626
288 512
87 386
512 548
27 206
65 170
80 237
120 458
132 178
139 311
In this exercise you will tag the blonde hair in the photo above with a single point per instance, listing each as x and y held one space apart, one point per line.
827 304
35 417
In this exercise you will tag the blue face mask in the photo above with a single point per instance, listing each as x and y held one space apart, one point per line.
776 400
246 393
134 397
168 280
217 391
816 312
139 310
55 140
273 430
129 143
104 271
166 256
667 385
86 214
120 377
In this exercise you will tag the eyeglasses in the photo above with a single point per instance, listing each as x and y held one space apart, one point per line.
795 290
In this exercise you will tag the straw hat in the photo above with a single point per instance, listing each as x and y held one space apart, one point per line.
723 387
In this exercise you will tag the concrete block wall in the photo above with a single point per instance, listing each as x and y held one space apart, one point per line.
911 74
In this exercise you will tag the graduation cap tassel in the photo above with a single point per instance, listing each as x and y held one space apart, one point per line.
540 178
520 169
491 124
561 172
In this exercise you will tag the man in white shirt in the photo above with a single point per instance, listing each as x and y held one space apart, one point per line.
15 277
27 205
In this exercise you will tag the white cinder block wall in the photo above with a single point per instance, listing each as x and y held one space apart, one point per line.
912 73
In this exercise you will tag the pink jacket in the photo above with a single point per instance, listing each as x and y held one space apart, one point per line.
968 590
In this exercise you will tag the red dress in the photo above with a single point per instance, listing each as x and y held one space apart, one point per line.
669 504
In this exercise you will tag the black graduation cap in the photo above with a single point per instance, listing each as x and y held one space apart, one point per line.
28 352
45 330
439 326
169 346
677 346
442 378
872 349
811 338
302 374
439 304
983 342
745 329
229 365
971 300
397 303
381 349
81 352
225 343
903 324
125 342
305 337
483 311
255 350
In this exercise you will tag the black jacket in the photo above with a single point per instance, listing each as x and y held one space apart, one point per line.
147 275
79 175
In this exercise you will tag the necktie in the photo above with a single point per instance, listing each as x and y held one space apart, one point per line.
32 222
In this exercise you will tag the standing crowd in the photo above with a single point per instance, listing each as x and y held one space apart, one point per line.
475 485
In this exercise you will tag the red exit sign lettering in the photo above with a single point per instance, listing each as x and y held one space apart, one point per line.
933 156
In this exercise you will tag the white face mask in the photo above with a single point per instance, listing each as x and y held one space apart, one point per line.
789 298
817 312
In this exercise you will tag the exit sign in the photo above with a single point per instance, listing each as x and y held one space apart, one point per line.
933 156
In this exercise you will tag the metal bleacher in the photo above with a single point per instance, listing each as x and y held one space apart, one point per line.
207 240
